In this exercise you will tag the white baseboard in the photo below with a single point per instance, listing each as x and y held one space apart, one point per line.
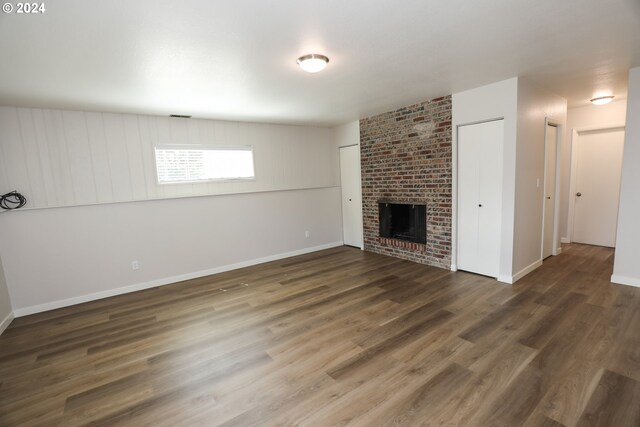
165 281
565 240
520 274
505 279
558 251
5 323
629 281
454 267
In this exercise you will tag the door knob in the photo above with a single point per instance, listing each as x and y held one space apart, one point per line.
578 194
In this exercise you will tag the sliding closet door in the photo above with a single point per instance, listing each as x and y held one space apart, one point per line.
480 197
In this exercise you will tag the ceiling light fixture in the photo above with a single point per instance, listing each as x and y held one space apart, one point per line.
601 100
313 62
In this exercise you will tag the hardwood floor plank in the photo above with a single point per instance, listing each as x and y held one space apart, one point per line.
337 337
398 340
499 316
614 402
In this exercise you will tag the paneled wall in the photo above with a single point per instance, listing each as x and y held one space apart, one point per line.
70 158
81 248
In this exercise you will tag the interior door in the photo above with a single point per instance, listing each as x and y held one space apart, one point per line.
351 195
597 186
480 197
551 141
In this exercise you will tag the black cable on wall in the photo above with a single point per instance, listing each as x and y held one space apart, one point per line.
12 200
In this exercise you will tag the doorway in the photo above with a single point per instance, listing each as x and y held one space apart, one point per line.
597 159
351 196
480 154
550 188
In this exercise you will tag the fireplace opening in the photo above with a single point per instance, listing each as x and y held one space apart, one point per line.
402 221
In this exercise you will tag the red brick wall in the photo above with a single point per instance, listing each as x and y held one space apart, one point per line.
406 157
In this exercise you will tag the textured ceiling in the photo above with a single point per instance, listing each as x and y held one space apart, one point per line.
236 59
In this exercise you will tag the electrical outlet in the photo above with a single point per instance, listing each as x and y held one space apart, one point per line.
306 234
135 265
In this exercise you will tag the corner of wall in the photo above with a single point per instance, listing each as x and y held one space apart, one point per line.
535 106
6 310
626 269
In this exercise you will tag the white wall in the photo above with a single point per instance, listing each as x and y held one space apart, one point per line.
524 108
66 255
626 269
494 101
70 158
535 105
346 135
589 116
6 311
76 244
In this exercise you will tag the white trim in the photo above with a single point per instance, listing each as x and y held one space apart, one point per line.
558 190
361 218
519 275
6 322
505 279
623 280
556 184
572 182
604 126
565 240
558 251
165 281
454 186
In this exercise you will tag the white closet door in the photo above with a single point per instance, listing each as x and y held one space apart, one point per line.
480 197
351 195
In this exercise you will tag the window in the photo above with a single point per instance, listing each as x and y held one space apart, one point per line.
182 163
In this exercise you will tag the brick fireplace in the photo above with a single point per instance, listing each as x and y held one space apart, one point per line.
406 158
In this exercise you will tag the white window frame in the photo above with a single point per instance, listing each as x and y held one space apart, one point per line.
203 147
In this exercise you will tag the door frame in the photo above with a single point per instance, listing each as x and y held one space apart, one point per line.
340 147
575 135
454 193
555 250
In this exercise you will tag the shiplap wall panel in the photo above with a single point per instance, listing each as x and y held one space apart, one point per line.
32 156
58 159
101 169
15 152
134 154
49 182
146 149
117 157
67 158
80 161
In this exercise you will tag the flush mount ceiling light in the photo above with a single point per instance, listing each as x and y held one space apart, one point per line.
601 100
313 63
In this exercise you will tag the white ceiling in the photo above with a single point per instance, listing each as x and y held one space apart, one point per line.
236 59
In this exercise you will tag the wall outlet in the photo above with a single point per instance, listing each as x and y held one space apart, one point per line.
306 234
135 265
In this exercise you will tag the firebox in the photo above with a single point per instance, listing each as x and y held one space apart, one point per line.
403 221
